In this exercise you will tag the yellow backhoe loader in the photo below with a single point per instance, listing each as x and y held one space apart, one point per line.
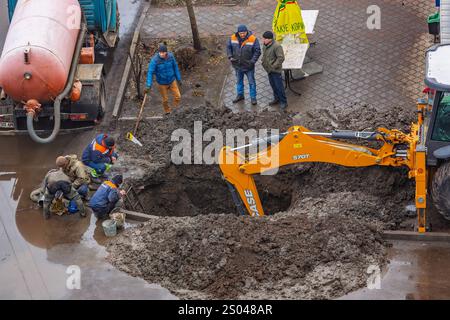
425 150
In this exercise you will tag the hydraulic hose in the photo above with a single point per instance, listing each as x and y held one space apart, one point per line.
60 97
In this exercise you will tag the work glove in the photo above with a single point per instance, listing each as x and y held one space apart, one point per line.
59 194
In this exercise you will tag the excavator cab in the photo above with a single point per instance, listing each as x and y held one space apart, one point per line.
441 127
437 127
438 123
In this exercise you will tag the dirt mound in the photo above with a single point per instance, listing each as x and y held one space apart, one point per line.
156 134
278 257
323 234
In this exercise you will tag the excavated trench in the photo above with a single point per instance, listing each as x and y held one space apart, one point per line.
190 190
323 229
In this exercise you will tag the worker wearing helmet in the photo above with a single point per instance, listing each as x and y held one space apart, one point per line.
107 197
57 183
77 173
99 155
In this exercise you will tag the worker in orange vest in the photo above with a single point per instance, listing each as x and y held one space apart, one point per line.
107 197
243 51
100 154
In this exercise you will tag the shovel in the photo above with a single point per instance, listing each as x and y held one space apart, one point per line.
140 115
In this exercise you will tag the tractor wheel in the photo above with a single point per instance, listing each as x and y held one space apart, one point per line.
440 190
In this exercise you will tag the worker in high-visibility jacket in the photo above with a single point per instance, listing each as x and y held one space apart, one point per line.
107 197
243 51
100 154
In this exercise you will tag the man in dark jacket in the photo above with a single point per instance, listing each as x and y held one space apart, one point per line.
272 61
57 182
243 51
164 66
99 155
107 197
77 173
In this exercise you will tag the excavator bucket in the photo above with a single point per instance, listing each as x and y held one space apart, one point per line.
242 186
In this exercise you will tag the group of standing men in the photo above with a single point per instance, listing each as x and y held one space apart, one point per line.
243 51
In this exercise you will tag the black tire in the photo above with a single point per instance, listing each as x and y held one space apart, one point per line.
102 102
440 190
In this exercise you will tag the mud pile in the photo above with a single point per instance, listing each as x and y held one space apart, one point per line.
284 256
322 234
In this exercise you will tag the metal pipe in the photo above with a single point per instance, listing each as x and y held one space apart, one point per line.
60 97
343 134
268 140
322 134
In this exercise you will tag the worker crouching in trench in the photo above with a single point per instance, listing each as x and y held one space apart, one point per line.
57 185
76 171
108 197
99 156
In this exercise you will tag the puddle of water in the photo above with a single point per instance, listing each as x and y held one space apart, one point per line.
416 270
35 253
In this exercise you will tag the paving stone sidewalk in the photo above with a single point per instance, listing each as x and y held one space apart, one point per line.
383 66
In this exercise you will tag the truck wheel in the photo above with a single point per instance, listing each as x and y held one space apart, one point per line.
440 190
102 102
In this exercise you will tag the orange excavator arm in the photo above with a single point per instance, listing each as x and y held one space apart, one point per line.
299 145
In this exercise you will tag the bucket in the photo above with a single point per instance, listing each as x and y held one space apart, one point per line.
109 227
434 23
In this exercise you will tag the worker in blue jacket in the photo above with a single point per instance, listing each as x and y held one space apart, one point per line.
164 66
107 197
100 154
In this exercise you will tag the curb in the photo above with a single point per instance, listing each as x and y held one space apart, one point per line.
415 236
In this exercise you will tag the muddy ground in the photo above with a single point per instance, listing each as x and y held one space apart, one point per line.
321 235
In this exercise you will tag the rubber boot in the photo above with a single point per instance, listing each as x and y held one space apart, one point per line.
81 208
46 210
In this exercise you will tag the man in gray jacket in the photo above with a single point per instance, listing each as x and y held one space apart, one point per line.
57 182
272 61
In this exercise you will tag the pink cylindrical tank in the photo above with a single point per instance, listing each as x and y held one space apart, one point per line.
39 48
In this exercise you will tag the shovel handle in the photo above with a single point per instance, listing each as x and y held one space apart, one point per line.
140 115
